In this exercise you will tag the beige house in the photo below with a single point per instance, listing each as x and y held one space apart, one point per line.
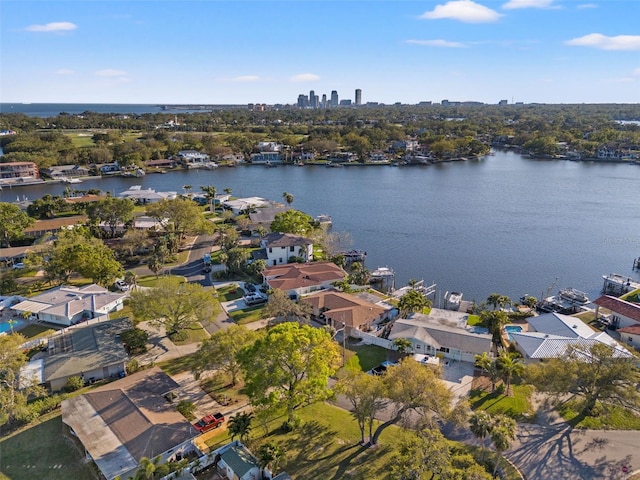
298 279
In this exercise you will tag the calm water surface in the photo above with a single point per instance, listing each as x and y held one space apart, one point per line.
500 224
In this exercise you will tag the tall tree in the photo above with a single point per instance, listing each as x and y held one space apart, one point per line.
210 195
403 346
281 306
490 367
366 394
270 455
184 215
480 424
13 221
292 221
14 392
597 373
112 211
503 433
290 365
287 198
220 351
509 364
174 305
239 425
411 302
413 388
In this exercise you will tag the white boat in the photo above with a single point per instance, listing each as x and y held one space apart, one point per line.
324 219
384 278
70 180
573 295
452 300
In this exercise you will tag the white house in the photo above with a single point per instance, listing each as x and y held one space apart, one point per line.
280 247
242 204
623 314
551 335
193 158
68 305
442 333
148 195
631 336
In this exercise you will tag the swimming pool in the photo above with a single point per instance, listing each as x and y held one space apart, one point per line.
512 329
5 327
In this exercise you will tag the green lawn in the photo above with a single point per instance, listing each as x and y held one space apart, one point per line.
42 452
177 365
152 280
365 357
473 320
195 334
517 406
609 417
247 315
35 331
229 293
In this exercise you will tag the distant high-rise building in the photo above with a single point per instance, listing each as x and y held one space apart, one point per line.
323 104
334 98
503 102
312 99
303 101
358 96
345 103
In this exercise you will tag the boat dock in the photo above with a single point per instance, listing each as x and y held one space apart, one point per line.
616 284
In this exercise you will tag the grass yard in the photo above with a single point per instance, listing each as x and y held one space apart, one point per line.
609 417
195 334
219 388
177 365
325 446
33 331
42 452
365 357
123 313
517 406
473 320
152 280
247 315
230 292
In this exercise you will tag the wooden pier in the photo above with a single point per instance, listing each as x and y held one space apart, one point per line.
616 284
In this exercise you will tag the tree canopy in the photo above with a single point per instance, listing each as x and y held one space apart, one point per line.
293 221
184 215
174 305
598 373
112 211
291 365
13 221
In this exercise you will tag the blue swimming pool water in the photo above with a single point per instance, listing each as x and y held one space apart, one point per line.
6 328
513 328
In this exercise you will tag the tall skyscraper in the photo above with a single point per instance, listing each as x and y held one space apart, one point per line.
323 104
312 99
334 98
358 96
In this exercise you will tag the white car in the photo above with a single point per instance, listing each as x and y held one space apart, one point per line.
18 266
121 285
254 299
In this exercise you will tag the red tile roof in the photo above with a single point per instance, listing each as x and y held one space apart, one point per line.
292 276
621 307
633 330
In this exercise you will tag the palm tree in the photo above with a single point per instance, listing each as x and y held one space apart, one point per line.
155 264
411 302
131 279
503 432
490 367
288 198
403 345
240 425
494 299
503 301
187 188
261 231
509 364
210 195
227 191
147 468
480 424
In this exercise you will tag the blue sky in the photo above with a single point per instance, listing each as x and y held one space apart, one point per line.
228 52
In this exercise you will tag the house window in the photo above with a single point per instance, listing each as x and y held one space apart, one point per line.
444 349
417 347
270 250
291 248
630 340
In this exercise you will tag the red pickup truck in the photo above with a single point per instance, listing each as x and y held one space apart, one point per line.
209 422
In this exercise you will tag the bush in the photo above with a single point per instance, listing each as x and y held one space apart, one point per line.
133 366
135 340
180 336
187 409
74 383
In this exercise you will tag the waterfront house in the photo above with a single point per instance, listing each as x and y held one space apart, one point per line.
342 157
442 333
622 313
120 423
68 305
11 171
107 168
53 225
269 147
264 158
280 247
340 309
551 335
60 172
240 205
92 352
193 158
140 196
630 336
166 163
298 279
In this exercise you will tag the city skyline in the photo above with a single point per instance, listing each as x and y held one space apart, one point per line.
212 52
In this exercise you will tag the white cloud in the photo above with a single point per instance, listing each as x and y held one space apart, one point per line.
437 43
109 72
464 11
64 71
514 4
636 71
587 5
305 77
602 42
246 78
52 27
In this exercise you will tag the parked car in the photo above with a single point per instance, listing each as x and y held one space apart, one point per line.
254 299
249 287
18 266
121 285
209 422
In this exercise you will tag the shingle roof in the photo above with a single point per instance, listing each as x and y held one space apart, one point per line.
621 307
292 276
123 421
342 307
